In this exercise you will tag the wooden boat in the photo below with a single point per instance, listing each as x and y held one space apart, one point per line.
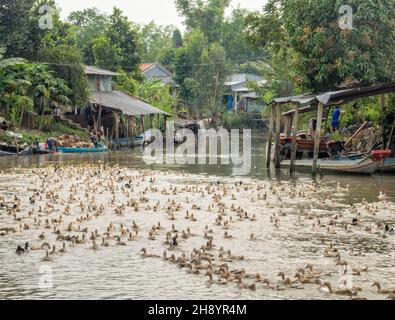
362 165
305 145
13 151
132 141
83 150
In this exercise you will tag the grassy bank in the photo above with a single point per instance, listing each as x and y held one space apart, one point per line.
53 129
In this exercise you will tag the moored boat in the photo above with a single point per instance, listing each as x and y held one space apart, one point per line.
82 150
132 141
13 151
361 164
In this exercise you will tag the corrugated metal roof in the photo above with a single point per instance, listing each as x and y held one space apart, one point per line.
241 78
98 71
335 97
128 105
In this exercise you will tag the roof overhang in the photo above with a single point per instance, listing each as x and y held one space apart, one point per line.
124 103
309 102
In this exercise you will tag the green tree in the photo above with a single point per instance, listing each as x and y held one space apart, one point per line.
156 41
234 41
62 33
211 74
187 57
66 63
105 54
205 15
15 27
154 92
28 86
89 24
124 35
177 39
328 57
200 72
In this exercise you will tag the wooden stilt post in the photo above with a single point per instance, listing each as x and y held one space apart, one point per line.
288 125
278 136
143 126
127 125
294 137
383 118
151 119
165 117
158 121
270 140
116 128
317 141
99 119
132 122
142 123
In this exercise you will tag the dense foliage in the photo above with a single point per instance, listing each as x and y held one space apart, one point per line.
327 56
294 44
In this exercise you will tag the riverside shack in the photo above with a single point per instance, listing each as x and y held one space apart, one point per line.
319 103
117 113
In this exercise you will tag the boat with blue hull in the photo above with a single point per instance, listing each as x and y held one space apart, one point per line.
83 150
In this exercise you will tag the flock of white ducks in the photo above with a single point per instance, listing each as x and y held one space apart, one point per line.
61 204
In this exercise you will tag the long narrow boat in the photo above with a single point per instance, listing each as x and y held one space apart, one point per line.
83 150
362 165
134 142
24 152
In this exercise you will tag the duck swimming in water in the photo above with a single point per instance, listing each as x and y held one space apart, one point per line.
382 196
47 258
382 291
147 255
20 250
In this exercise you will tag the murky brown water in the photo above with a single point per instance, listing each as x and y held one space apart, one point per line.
119 272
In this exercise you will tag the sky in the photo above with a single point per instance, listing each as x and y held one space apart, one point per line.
163 12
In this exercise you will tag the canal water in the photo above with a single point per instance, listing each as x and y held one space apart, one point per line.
121 273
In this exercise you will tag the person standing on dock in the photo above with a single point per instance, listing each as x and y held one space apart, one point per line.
336 119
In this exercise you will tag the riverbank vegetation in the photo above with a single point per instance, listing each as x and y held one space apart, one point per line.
43 69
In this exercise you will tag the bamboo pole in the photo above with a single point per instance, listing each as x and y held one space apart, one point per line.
294 137
317 139
355 134
270 140
278 136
